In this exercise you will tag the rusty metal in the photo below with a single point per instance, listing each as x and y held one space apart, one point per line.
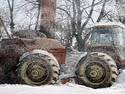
60 54
12 49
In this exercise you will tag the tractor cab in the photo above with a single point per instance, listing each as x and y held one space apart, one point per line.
107 38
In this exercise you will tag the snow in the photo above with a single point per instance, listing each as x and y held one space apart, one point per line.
72 58
109 24
121 77
69 88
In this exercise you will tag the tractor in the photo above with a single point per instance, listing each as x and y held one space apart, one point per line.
105 47
37 61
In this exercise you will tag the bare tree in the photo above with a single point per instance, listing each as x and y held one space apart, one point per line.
118 14
37 5
102 11
46 15
27 10
79 13
5 16
11 8
120 5
77 21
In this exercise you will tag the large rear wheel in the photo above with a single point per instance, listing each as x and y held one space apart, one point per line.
96 70
38 68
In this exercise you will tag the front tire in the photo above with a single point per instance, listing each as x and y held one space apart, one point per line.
96 70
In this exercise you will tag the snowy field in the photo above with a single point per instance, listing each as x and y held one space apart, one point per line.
117 88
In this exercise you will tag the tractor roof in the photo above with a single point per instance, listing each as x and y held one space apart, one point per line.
109 24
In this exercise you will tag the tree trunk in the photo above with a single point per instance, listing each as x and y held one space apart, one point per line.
48 13
102 12
80 43
78 36
11 7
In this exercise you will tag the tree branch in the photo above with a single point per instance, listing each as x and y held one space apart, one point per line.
102 11
89 15
99 2
64 10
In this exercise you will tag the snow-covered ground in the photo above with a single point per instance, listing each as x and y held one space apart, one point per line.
69 88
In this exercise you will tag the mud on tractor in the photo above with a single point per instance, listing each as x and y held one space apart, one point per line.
37 61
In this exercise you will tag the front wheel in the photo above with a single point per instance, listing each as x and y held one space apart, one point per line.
96 70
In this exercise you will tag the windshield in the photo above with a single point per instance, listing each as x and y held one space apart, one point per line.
101 36
108 36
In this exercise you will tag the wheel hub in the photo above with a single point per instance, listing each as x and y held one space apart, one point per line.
37 71
95 72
